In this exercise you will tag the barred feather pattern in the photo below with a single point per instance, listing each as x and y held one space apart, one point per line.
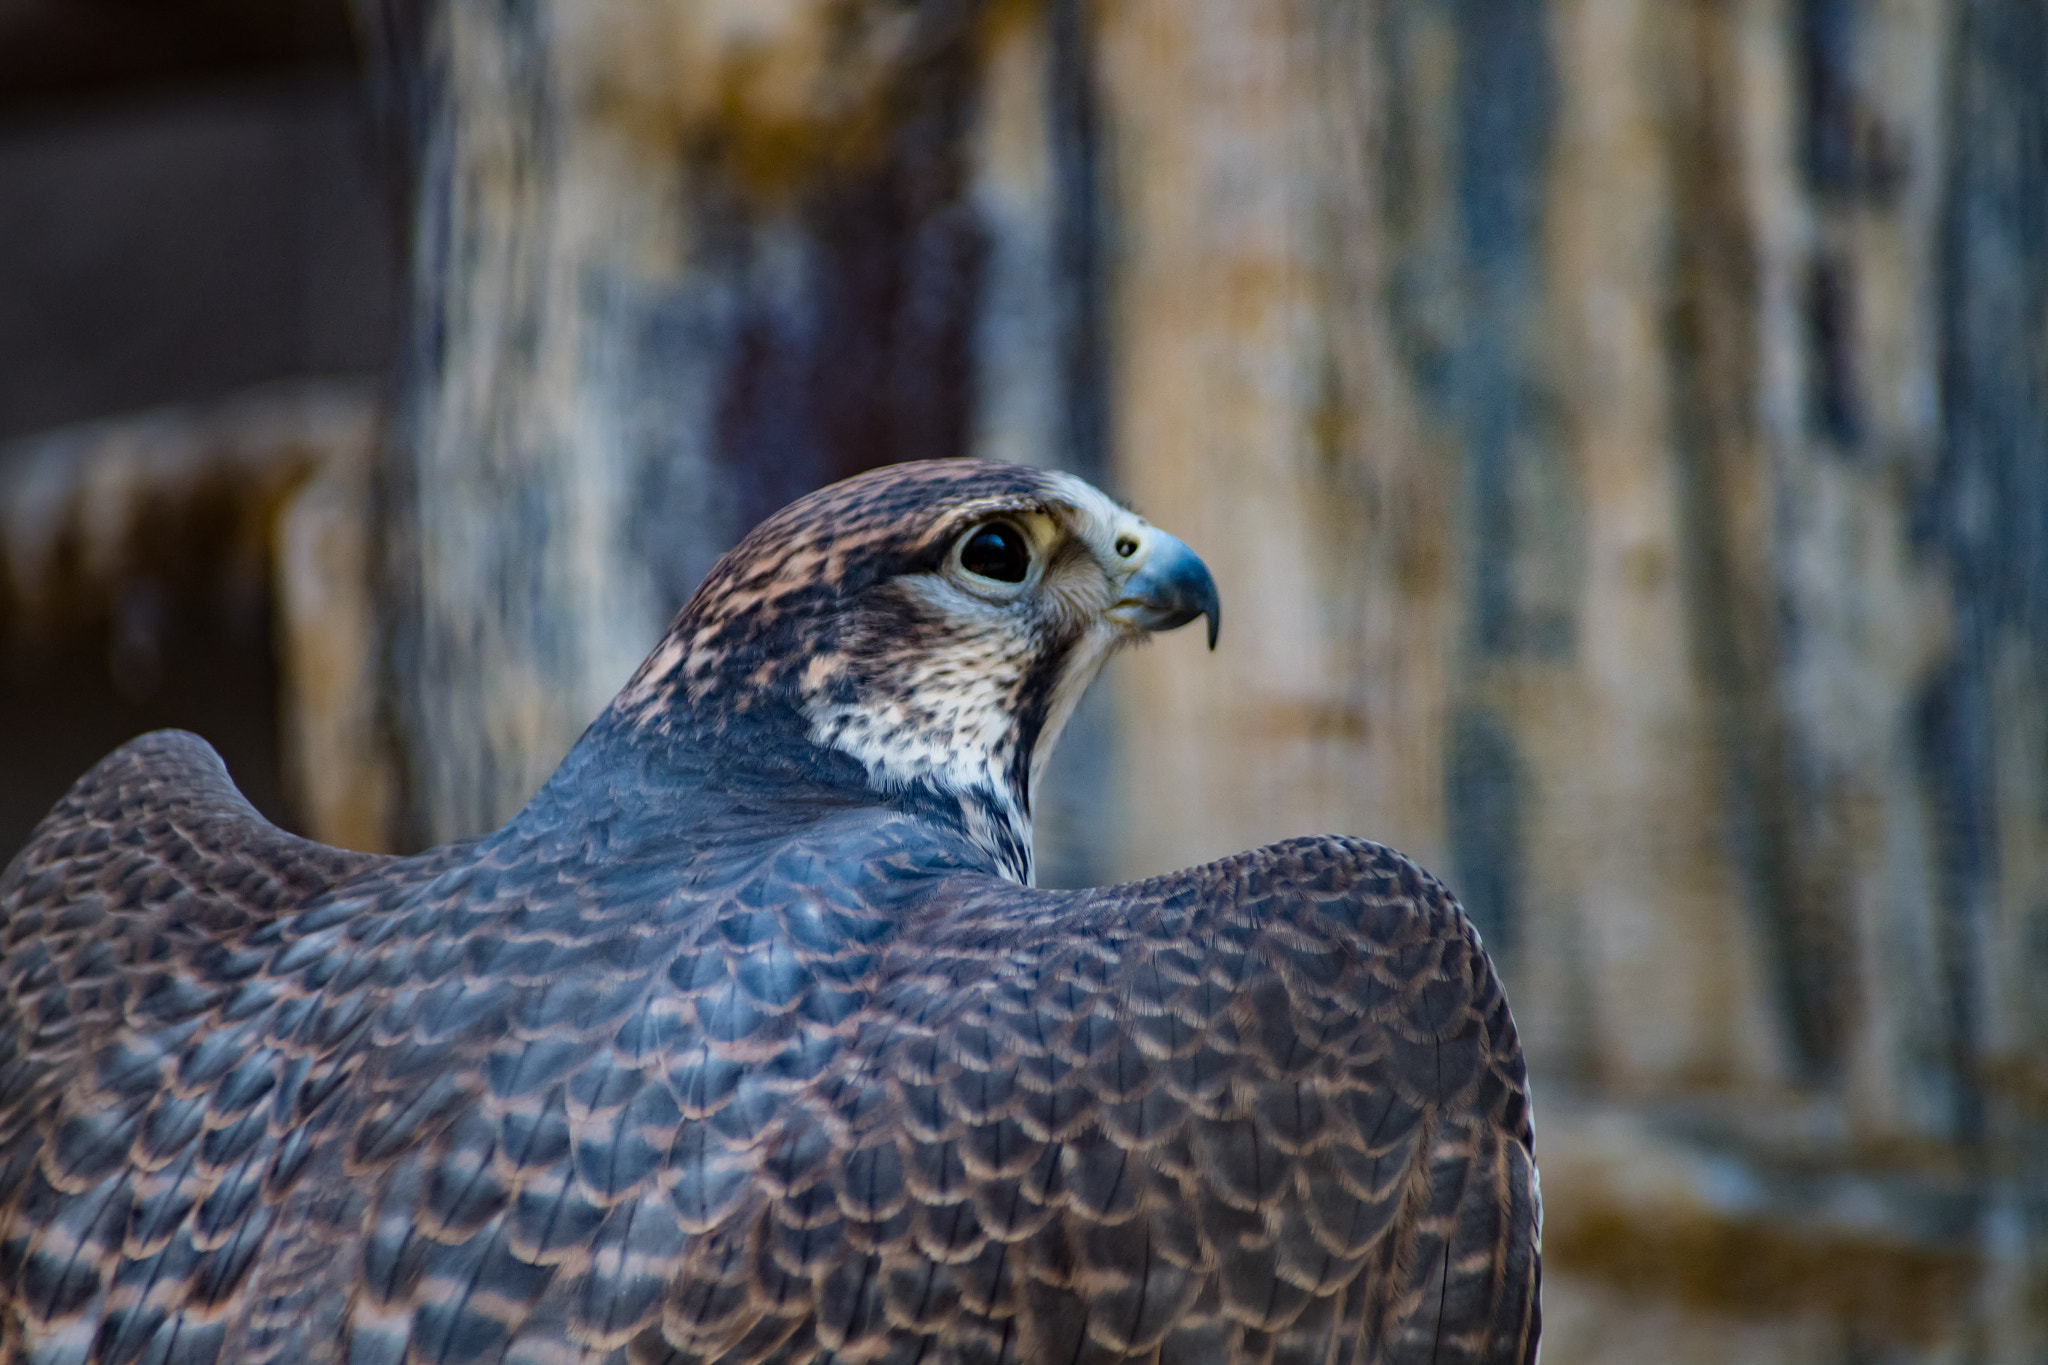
796 1091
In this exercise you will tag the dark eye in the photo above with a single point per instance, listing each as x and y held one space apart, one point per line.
996 551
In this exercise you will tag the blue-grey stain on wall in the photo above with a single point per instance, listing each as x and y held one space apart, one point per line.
1485 804
1986 515
1482 378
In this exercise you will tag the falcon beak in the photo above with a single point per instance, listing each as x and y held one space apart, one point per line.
1169 590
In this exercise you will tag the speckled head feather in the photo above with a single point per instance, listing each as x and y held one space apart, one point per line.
847 625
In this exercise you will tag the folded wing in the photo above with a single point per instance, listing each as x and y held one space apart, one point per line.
131 1112
1268 1109
847 1106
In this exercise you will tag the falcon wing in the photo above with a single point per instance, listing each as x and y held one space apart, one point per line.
158 831
119 930
1272 1108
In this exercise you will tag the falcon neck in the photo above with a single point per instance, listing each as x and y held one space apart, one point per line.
694 783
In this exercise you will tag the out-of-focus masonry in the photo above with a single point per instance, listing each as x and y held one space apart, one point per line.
1619 428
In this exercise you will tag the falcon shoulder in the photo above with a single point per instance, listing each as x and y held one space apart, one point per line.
1272 1108
143 874
157 829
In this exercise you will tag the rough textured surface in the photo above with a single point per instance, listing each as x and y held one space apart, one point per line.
674 265
1587 395
721 1049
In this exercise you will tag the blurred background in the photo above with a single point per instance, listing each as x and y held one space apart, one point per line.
1619 429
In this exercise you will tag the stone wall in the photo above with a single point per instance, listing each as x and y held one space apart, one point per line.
1618 428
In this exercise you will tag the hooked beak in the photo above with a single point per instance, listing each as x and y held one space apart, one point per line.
1172 588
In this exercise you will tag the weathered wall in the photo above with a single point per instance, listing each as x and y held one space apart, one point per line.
1620 430
675 263
1619 427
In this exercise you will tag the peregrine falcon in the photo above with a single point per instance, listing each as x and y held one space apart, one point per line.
749 1039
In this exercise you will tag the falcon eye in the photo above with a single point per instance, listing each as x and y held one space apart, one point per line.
996 550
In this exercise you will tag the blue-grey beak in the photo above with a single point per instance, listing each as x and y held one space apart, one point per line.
1170 590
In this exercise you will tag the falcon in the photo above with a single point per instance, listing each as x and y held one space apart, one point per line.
749 1038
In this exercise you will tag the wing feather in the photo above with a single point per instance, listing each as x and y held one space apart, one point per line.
1270 1108
124 927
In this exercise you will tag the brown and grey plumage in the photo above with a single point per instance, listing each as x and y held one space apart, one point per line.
748 1040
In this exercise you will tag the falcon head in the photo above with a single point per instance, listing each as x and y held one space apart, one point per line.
921 632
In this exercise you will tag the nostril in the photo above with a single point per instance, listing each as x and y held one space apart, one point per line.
1126 546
